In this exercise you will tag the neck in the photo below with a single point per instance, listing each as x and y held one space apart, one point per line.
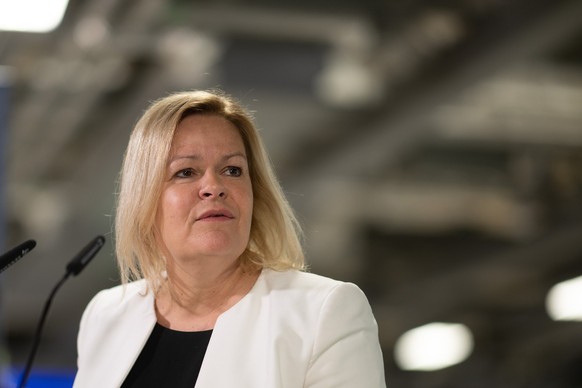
193 299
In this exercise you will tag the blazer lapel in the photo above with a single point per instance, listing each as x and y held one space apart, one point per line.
236 349
134 332
122 334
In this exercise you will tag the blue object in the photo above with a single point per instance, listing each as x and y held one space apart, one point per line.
39 378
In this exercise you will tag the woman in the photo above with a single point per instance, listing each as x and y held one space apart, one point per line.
213 290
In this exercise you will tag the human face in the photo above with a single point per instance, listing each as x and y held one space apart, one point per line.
206 204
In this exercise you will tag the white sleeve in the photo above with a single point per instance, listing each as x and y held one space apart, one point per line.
346 351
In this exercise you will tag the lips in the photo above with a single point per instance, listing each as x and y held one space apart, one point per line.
215 214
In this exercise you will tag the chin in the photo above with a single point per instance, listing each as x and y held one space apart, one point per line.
220 247
210 243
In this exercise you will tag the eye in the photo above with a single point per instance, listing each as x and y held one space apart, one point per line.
233 171
185 173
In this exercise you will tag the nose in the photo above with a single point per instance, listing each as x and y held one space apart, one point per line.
212 187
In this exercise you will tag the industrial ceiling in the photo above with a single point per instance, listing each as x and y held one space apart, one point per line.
432 150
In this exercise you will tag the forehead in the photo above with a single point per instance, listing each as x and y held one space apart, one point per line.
207 131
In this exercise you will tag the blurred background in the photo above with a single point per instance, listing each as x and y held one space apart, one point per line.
432 150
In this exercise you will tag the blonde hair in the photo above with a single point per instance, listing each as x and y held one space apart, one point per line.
275 236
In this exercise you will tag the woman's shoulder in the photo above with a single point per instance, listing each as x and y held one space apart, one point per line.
311 296
306 285
121 297
124 291
297 278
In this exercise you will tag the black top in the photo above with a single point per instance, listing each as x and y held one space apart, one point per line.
169 359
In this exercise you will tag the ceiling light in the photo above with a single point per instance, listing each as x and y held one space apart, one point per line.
347 82
563 301
433 346
31 15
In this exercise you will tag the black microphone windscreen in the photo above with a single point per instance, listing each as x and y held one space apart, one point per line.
15 254
83 258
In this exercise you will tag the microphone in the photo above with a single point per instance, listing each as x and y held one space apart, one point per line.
74 267
15 254
83 258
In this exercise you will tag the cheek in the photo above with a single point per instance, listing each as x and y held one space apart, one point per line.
242 195
246 197
172 204
249 208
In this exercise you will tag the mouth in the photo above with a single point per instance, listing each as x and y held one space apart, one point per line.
211 215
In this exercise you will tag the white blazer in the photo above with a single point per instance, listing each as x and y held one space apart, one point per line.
292 330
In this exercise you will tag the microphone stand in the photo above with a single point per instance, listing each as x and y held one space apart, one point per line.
38 332
74 267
